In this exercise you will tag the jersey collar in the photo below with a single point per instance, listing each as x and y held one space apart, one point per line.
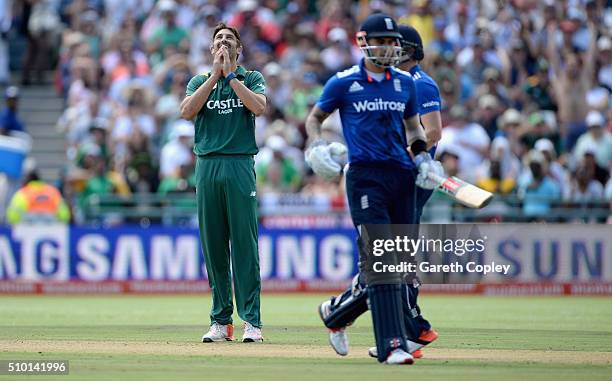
414 69
240 72
366 76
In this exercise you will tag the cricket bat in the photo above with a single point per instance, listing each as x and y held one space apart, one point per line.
464 192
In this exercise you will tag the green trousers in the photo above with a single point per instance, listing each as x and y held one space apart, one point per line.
227 214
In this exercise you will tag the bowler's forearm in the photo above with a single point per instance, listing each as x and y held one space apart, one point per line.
254 102
191 105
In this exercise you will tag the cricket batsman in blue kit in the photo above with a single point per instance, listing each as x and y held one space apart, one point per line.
378 109
341 311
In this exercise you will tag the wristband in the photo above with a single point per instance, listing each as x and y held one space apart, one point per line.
418 146
229 77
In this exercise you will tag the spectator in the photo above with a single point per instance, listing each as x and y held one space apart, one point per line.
538 191
306 91
102 182
9 120
598 99
420 18
596 138
604 59
584 188
590 162
37 202
43 28
473 61
470 138
183 182
571 84
141 173
487 113
88 24
450 158
509 124
167 108
279 174
167 37
340 54
278 88
136 119
538 88
498 174
177 152
124 63
493 86
516 64
461 32
555 169
537 128
98 138
440 44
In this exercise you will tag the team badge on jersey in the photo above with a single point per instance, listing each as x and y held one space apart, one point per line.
397 85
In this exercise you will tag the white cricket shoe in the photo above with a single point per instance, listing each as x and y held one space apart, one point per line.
251 334
339 341
337 336
373 352
218 332
399 357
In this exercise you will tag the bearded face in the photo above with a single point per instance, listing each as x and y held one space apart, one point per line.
226 38
382 51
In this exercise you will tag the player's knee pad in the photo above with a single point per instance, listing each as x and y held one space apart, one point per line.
348 306
387 318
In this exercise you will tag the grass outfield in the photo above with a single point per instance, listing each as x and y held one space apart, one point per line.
157 338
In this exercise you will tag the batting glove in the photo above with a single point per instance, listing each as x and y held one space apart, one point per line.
320 157
427 166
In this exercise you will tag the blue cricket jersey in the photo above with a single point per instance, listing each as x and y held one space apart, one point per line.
372 113
428 95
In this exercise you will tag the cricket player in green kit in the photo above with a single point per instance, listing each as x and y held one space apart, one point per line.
224 104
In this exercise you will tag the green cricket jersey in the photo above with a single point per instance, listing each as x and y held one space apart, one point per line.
224 125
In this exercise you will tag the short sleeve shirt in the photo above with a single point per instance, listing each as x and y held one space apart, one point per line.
372 113
225 125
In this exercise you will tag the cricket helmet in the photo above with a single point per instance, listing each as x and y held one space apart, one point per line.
379 25
412 44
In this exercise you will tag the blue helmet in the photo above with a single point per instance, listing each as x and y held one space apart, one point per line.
412 44
379 25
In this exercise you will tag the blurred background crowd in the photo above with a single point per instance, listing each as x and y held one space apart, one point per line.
525 86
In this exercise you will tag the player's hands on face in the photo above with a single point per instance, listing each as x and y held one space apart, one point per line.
227 62
217 67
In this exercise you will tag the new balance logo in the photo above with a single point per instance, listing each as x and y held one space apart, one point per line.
355 87
253 194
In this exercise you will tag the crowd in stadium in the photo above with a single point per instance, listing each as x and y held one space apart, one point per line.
525 85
